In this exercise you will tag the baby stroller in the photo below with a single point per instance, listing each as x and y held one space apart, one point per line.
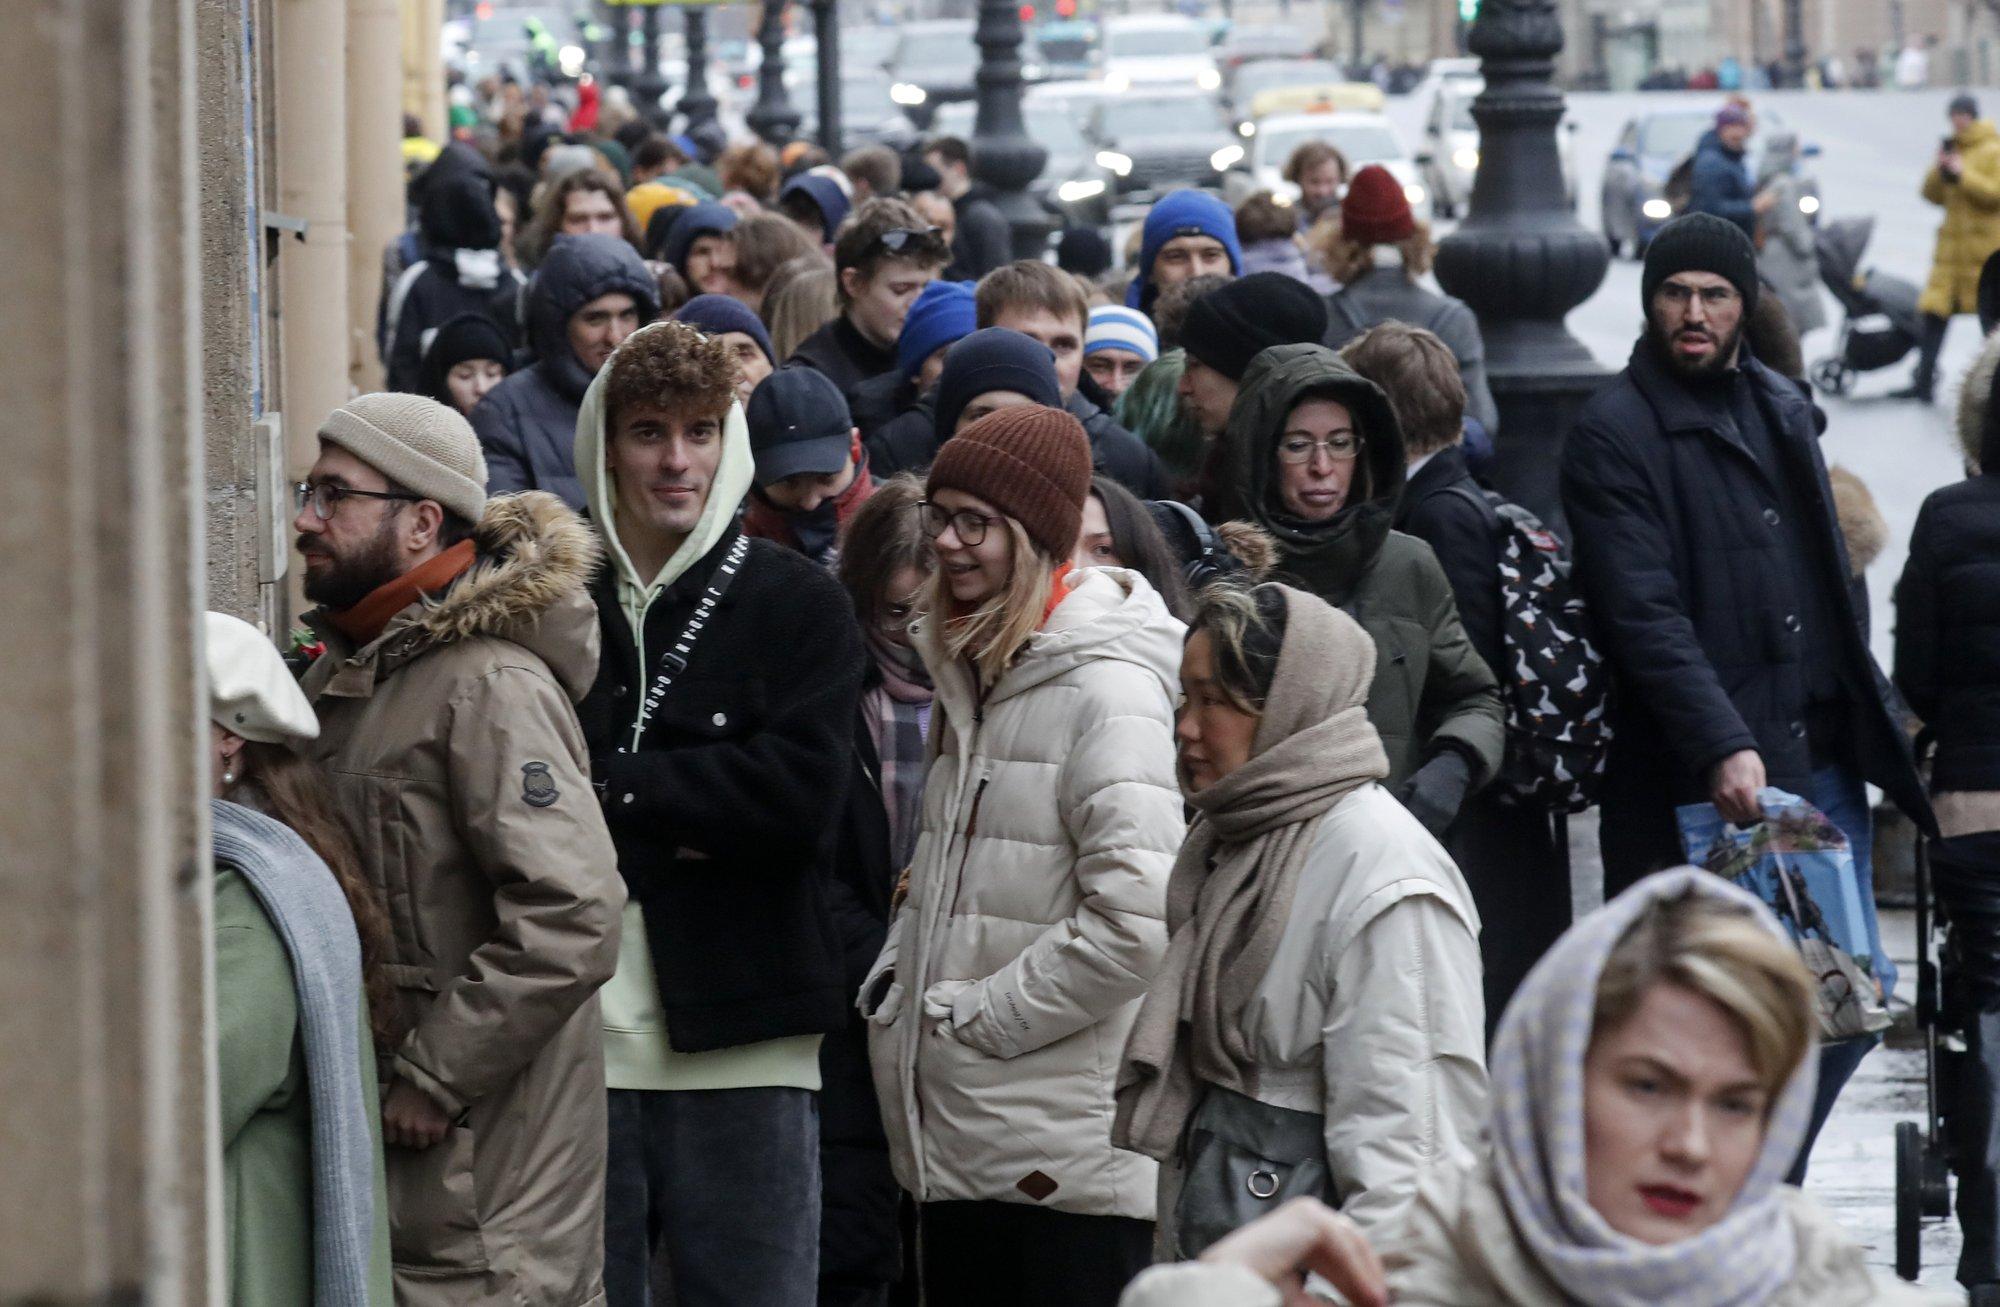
1880 324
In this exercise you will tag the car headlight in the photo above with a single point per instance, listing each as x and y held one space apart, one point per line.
1115 162
1465 159
1414 193
570 59
1247 130
1209 80
1658 210
1077 192
907 94
1226 158
1118 82
1809 204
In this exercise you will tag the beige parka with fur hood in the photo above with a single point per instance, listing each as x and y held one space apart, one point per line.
455 755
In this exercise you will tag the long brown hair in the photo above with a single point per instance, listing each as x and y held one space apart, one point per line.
291 789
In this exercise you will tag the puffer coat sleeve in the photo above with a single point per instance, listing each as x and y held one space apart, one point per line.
1121 806
556 892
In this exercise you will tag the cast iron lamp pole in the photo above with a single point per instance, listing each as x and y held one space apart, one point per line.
697 103
1004 156
648 86
1520 258
773 116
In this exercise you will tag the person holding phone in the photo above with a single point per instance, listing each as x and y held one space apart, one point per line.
1964 181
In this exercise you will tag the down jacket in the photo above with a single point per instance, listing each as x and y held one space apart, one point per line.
1970 232
1432 689
1036 915
452 745
527 423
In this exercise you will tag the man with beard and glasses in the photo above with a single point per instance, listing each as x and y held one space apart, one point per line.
720 731
460 635
1709 553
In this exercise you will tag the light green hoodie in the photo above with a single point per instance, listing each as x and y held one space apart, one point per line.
636 1052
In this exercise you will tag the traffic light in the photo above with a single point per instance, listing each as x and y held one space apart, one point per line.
1027 13
1065 8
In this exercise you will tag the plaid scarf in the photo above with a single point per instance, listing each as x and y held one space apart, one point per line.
899 716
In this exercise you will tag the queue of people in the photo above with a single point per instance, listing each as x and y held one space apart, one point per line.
954 791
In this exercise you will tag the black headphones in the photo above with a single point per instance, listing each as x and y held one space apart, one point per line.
1204 558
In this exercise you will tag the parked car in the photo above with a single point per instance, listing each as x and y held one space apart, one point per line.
933 64
869 113
1149 142
1145 50
1363 138
1071 181
1247 81
1648 150
1068 49
1449 157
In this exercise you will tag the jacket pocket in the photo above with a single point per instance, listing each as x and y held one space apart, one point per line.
1242 1160
433 1205
707 709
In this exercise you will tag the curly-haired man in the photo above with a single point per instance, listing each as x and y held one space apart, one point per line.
725 699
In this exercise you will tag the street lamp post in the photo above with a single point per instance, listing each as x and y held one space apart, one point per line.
1004 156
1795 43
697 103
773 116
826 32
1520 258
648 86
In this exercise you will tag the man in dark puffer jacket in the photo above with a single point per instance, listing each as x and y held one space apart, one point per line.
590 293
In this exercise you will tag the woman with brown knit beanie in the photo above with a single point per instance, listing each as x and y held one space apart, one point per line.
1033 918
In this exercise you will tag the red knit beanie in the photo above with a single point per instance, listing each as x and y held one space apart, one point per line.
1375 211
1031 463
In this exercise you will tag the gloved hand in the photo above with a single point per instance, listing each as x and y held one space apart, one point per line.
1435 791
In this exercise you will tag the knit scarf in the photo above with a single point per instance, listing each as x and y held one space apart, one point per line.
899 715
1537 1137
1229 900
369 618
312 918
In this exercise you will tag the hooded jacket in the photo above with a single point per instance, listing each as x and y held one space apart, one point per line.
452 745
719 801
1971 229
1431 689
1001 1003
461 272
1948 604
1789 259
527 423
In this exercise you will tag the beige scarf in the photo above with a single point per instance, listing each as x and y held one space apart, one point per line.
1230 896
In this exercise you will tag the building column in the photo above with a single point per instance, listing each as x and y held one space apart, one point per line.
309 90
423 65
374 173
108 1146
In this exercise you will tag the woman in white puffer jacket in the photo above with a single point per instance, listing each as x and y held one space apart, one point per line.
1036 899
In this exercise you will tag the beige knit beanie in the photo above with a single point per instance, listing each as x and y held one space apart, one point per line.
425 447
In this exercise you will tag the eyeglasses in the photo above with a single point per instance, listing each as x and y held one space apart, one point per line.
970 526
897 239
1713 297
325 497
1342 448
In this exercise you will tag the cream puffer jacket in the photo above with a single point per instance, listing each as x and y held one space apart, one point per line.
1035 920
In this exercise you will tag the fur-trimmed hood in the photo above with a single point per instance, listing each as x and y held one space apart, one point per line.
1974 396
1861 522
529 585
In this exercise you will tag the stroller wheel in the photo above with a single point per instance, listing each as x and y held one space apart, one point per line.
1937 1182
1909 1199
1832 377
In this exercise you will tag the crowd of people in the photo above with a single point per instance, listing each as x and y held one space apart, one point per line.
834 765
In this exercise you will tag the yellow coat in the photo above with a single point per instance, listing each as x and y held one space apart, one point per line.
1971 230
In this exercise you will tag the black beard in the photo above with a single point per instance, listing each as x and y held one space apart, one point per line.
350 580
1714 365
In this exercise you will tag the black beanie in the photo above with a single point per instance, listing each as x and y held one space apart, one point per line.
1232 324
1701 242
1963 103
993 359
1084 251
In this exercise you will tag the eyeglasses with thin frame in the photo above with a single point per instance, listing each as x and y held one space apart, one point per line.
897 239
325 497
1342 447
970 526
1678 293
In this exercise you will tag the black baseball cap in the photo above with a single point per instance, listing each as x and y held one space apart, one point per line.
799 424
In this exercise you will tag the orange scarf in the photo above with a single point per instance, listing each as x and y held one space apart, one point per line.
1058 591
367 619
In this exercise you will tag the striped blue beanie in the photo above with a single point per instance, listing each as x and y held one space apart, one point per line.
1113 326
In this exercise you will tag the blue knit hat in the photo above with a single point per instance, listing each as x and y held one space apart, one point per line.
943 313
710 219
1113 326
827 197
1181 213
716 315
994 359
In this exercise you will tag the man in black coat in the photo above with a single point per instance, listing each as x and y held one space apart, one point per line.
981 240
1709 554
720 730
1045 304
1515 858
884 258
